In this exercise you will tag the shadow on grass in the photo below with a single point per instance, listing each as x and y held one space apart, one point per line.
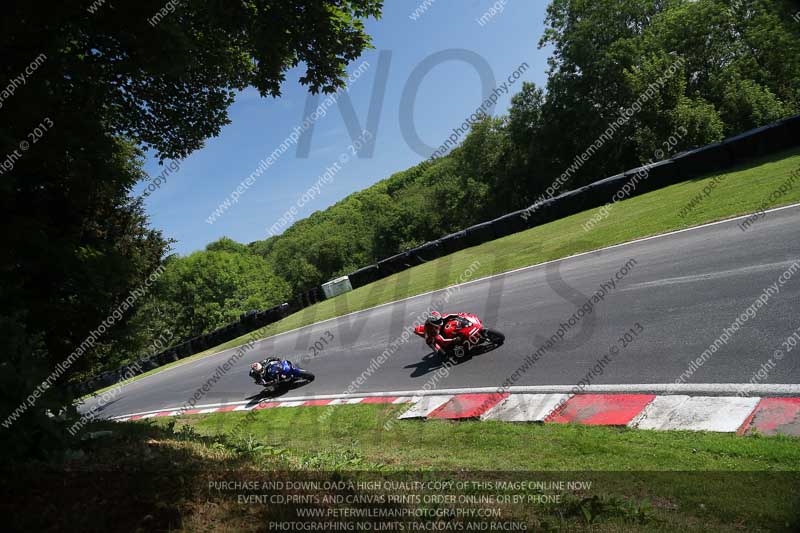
152 476
146 476
136 476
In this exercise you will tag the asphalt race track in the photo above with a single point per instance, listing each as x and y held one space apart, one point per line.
683 290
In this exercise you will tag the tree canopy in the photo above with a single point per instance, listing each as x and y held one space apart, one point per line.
101 83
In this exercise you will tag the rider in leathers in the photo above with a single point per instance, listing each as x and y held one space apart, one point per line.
435 331
266 371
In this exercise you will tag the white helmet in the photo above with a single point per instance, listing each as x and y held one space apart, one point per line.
256 367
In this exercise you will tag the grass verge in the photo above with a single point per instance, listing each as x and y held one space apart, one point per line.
736 192
640 480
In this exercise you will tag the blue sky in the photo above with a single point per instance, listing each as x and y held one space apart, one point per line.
448 94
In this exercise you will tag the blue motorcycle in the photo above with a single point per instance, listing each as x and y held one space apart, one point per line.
276 373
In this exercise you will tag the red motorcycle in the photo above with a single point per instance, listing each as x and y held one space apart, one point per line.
458 334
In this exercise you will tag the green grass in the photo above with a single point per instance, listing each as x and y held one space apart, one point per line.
358 430
739 191
641 480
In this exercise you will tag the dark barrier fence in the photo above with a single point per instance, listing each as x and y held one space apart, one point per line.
541 212
603 191
364 276
479 234
660 175
510 223
572 202
247 323
454 242
684 166
746 145
695 163
427 252
393 265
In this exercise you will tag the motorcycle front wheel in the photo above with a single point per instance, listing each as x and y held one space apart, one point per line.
494 336
459 352
305 374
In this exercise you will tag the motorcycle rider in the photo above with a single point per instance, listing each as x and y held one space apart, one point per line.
439 331
268 370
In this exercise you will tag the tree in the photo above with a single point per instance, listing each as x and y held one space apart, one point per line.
526 154
738 67
739 58
525 118
482 157
207 290
166 79
110 81
78 245
594 42
226 244
747 104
